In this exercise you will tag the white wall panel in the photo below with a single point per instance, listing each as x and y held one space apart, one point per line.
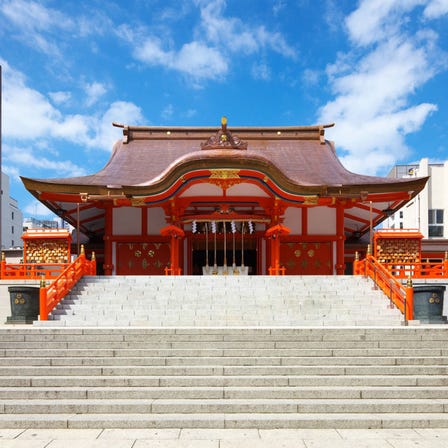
156 220
293 220
127 221
321 221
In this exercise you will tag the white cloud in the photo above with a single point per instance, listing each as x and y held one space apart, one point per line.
31 15
33 20
198 60
373 107
151 51
25 157
191 113
261 71
60 97
436 9
235 36
12 171
278 6
218 39
167 112
29 115
374 21
194 59
311 77
104 135
94 91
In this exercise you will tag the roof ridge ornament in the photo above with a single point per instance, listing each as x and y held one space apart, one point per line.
224 139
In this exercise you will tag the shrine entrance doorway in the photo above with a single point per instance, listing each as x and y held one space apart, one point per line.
245 259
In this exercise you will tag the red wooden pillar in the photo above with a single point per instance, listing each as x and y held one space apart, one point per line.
108 262
340 239
176 234
273 235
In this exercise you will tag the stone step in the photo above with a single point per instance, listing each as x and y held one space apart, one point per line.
61 352
243 393
224 377
236 348
250 420
223 381
218 370
219 406
204 301
222 360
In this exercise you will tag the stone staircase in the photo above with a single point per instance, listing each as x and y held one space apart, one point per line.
210 301
352 377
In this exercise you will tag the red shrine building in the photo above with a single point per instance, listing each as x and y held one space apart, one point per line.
224 201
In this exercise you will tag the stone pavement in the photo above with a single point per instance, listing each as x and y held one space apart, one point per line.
224 438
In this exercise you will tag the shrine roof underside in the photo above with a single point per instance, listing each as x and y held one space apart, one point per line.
154 164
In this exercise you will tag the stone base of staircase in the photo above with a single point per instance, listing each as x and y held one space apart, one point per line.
224 377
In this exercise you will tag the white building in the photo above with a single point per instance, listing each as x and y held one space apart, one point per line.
12 218
428 211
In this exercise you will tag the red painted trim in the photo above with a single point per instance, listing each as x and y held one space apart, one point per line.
388 197
144 220
367 208
108 231
340 240
61 197
246 176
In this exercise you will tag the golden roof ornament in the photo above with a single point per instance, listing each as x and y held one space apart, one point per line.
223 139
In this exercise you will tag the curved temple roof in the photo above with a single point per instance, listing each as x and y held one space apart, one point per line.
150 160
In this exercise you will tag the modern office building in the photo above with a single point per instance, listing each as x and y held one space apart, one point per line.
12 218
427 211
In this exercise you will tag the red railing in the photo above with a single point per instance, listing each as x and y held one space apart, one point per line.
30 271
418 270
173 271
277 270
51 295
400 295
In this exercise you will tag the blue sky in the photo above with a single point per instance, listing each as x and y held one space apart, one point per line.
376 68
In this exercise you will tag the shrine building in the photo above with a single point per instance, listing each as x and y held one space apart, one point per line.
221 200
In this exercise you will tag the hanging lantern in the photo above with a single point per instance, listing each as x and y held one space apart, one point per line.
233 226
194 227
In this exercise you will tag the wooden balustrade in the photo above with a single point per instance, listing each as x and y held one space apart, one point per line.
52 294
277 270
30 271
402 296
173 271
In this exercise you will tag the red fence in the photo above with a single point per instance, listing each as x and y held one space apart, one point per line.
418 270
30 271
51 295
402 296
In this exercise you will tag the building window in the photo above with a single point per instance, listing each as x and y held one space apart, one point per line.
435 221
12 216
12 229
401 214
